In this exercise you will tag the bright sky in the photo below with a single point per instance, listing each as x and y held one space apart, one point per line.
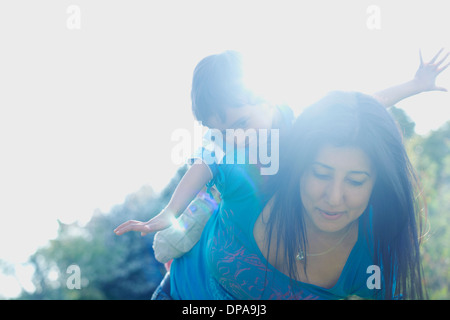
86 114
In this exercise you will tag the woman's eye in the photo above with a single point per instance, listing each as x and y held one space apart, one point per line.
356 183
322 176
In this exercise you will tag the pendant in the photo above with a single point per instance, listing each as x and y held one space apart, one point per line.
300 256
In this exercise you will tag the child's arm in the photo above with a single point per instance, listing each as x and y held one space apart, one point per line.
424 80
190 185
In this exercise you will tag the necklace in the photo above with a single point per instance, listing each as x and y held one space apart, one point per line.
301 255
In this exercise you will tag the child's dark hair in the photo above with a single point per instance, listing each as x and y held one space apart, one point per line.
218 84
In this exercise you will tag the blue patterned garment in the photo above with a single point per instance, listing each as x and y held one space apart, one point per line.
226 263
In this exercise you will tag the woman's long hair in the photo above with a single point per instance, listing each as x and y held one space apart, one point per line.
358 120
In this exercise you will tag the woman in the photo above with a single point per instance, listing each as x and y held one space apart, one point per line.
342 204
354 179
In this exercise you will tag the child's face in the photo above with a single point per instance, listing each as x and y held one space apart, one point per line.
246 117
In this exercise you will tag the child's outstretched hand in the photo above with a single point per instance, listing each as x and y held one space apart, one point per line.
162 221
428 71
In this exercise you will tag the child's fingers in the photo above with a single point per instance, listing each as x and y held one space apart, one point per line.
153 225
127 223
442 60
441 89
436 56
443 68
131 225
121 227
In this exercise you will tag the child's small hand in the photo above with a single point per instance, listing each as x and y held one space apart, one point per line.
159 222
428 71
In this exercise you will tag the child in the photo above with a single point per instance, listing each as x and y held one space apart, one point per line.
220 100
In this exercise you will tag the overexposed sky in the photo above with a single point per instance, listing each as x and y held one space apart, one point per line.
91 91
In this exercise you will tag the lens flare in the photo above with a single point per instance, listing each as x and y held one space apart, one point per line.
176 224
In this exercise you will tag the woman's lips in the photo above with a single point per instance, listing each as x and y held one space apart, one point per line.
330 215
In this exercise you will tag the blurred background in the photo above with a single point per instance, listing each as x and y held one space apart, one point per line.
92 90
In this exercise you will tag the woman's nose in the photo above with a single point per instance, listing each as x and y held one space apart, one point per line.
334 194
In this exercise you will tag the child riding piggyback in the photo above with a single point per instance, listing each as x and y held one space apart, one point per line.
244 128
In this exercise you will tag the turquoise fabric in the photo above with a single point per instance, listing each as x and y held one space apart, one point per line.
226 263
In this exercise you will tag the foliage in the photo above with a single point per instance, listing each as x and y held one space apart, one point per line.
433 166
111 267
430 156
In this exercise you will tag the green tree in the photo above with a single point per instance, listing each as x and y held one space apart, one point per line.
405 123
430 155
111 267
433 165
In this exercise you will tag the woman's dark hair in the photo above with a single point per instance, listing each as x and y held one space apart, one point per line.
358 120
217 84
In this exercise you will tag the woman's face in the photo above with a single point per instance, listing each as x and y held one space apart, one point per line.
336 188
